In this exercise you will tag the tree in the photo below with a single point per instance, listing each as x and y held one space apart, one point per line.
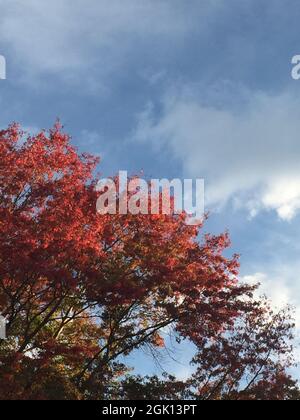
81 290
247 362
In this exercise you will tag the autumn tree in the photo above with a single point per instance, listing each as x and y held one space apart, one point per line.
247 362
80 290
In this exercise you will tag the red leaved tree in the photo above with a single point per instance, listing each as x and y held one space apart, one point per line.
81 290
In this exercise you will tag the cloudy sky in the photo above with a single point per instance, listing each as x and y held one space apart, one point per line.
197 88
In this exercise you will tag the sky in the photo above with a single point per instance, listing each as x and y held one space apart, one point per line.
194 88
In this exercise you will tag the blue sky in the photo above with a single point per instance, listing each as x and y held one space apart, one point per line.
176 88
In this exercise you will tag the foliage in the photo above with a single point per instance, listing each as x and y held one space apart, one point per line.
81 290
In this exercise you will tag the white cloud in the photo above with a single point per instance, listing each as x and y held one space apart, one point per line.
250 155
